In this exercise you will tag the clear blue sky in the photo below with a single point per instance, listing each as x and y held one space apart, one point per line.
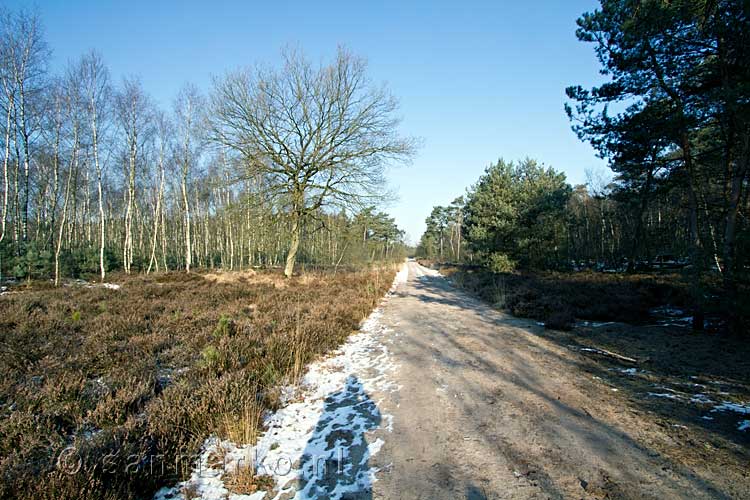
476 80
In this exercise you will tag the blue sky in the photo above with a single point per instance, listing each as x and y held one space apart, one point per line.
476 80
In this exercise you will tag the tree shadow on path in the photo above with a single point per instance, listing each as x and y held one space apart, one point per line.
335 461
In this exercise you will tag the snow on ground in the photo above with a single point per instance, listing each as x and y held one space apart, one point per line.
701 399
631 372
4 290
667 310
109 286
743 409
671 316
686 321
595 324
663 395
318 445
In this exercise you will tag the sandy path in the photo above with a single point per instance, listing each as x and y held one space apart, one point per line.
487 409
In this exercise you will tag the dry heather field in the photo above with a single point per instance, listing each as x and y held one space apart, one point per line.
137 377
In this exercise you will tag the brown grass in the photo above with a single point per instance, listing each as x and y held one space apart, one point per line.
243 427
143 374
230 276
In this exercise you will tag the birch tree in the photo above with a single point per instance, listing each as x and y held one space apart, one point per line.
187 107
134 114
9 94
73 107
163 138
95 80
26 55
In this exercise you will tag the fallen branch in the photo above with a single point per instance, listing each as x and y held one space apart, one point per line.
610 354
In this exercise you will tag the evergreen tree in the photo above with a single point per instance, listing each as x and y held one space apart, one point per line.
515 215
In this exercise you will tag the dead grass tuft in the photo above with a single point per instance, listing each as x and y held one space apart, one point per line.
244 481
243 427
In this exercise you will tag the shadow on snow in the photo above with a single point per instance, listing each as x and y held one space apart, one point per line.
335 461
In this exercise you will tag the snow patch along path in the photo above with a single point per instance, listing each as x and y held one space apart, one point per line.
317 445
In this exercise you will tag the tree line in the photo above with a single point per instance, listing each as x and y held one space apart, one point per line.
524 214
272 166
673 122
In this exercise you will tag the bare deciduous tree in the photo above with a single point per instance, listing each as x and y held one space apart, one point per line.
321 136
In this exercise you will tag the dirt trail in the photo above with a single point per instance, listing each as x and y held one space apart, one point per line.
487 409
